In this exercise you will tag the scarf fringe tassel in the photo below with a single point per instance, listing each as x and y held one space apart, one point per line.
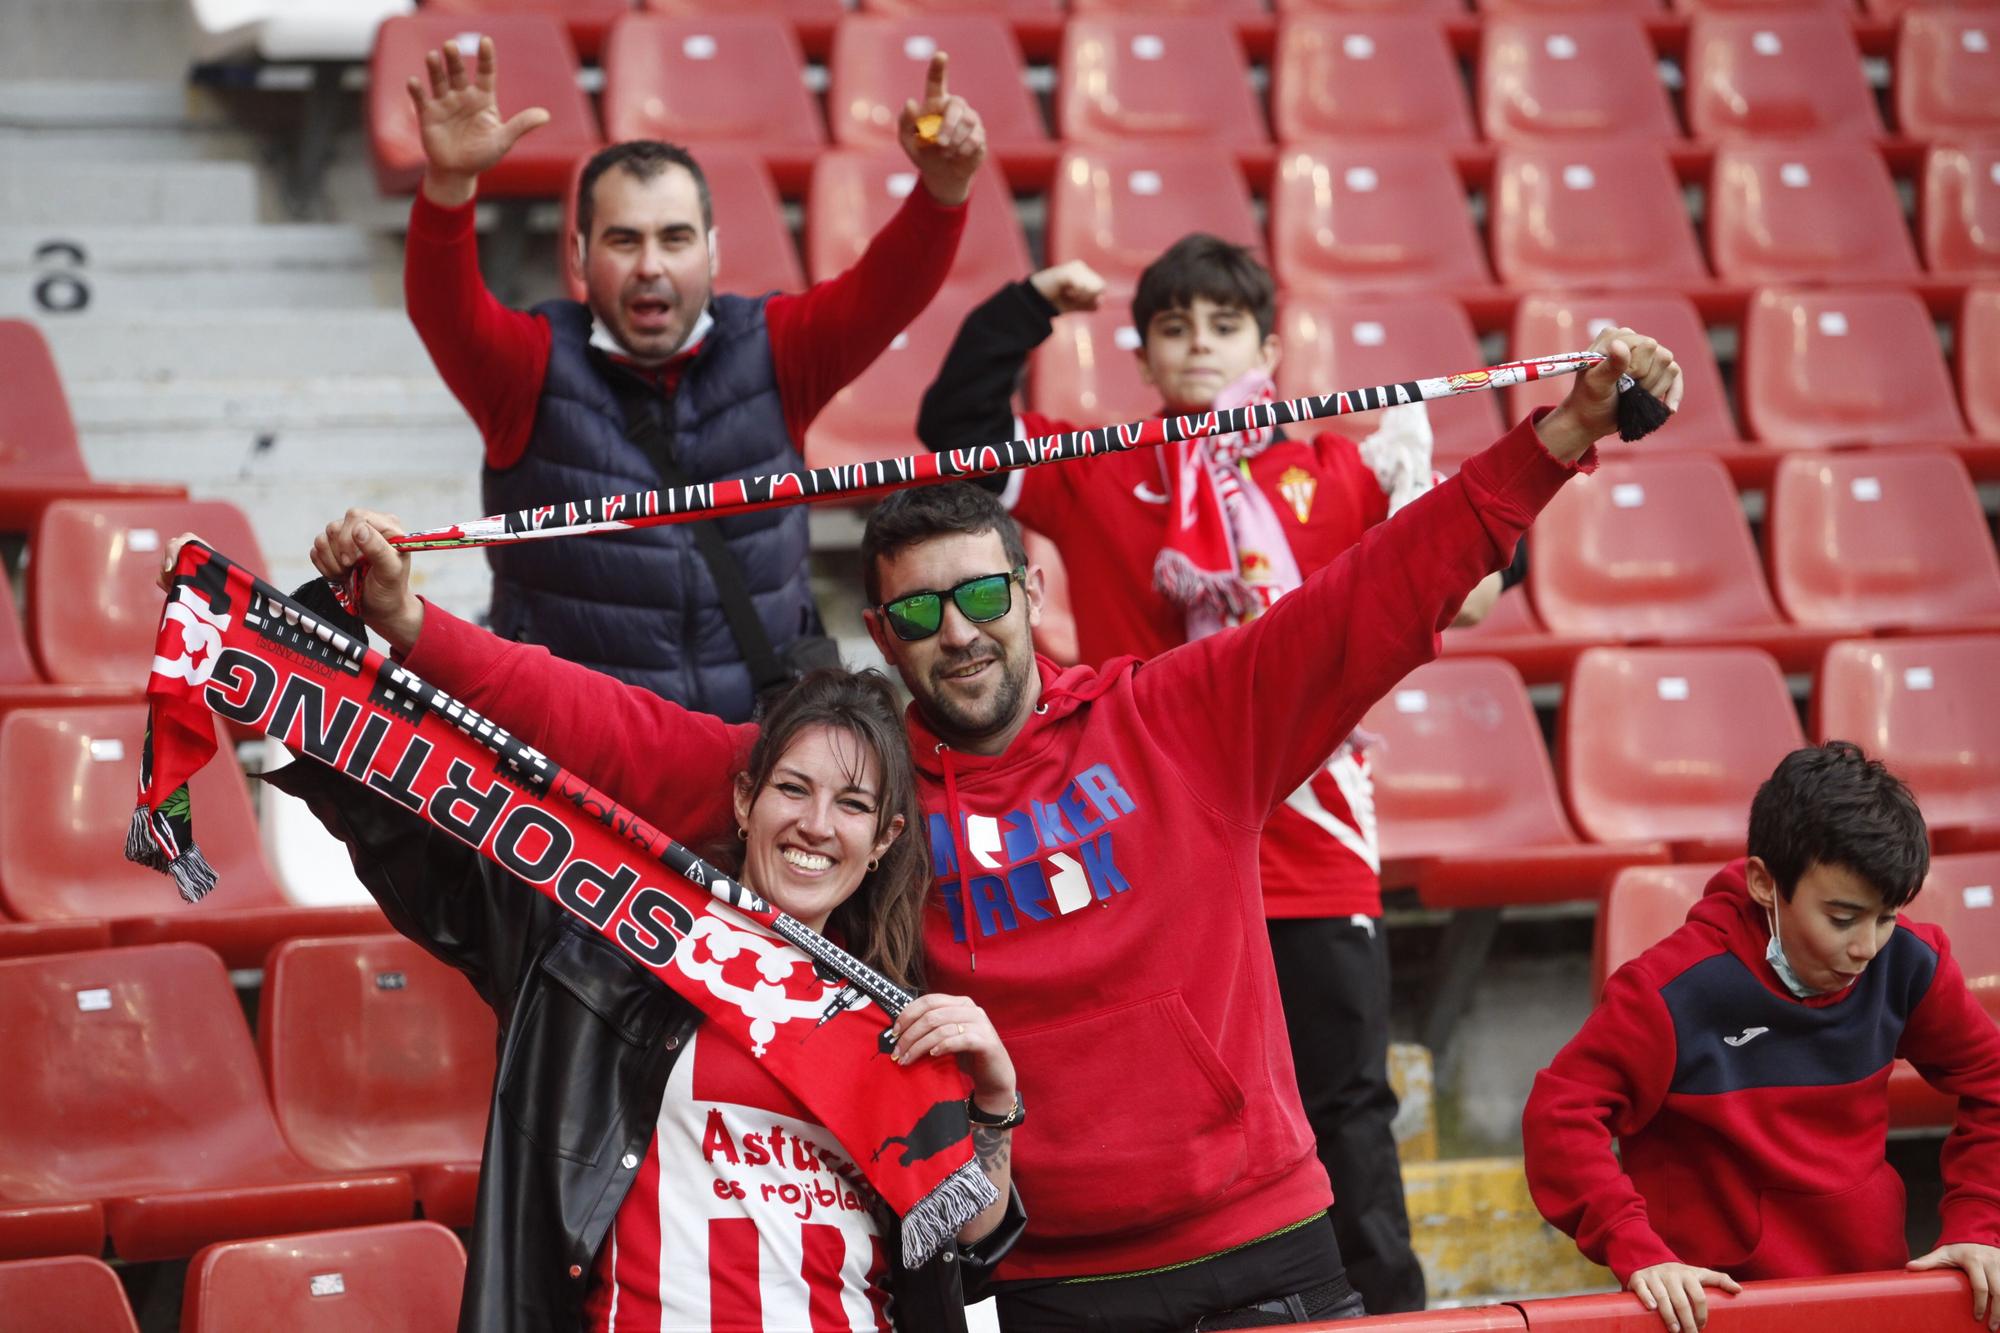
1184 583
934 1222
191 871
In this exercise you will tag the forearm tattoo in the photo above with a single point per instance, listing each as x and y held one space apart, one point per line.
994 1147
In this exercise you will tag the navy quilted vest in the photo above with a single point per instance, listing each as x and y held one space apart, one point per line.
641 605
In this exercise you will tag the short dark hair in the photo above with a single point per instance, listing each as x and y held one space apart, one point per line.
1832 805
923 512
1202 265
642 159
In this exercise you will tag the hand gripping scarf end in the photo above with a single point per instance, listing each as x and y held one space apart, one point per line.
814 1015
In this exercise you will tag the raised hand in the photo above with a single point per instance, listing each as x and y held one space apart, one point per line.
1070 287
943 137
386 604
458 115
1590 412
934 1025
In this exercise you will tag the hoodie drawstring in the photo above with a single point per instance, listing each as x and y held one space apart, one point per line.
959 852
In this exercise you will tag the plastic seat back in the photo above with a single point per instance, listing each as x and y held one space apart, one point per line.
755 249
1373 217
1345 76
538 67
1790 73
1648 548
93 600
1806 212
875 416
1925 708
879 62
1881 540
377 1054
1584 215
1958 209
1156 76
1117 206
406 1277
587 21
15 666
1979 360
1670 744
1548 322
736 78
857 190
1844 366
1087 372
1571 75
135 1074
37 432
814 20
72 1294
1959 895
1947 82
1038 24
1359 342
1462 767
1643 906
67 783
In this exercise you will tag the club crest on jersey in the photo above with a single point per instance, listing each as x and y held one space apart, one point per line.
1299 486
767 1004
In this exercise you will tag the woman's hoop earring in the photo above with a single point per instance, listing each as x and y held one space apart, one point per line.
874 864
742 834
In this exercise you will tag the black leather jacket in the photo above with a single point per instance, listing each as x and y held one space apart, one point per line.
586 1042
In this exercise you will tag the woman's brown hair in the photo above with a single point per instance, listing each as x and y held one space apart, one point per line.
882 922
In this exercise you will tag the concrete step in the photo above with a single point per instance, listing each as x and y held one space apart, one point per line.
404 403
105 104
310 348
95 272
1480 1238
55 191
95 39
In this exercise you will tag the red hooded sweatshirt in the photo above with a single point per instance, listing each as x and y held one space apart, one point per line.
1103 870
1753 1125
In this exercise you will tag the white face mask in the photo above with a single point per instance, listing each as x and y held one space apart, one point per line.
1774 954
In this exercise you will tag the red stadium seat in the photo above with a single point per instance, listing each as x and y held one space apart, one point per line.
1556 322
1465 799
879 62
538 67
1359 342
1430 9
1482 1319
1511 633
1158 76
875 416
135 1082
72 1294
734 79
1037 24
24 939
1791 73
1651 549
855 191
403 1278
1924 707
1117 206
1947 82
1251 18
586 20
1979 360
1939 1302
1643 906
1591 215
753 244
1670 744
32 1230
1373 217
67 782
1958 895
1508 8
1807 212
1571 75
1844 366
40 459
813 20
1343 76
379 1056
1958 209
1088 370
1873 541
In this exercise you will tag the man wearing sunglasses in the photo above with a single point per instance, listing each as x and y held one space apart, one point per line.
1094 832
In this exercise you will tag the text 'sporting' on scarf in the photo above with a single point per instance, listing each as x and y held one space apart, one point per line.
232 645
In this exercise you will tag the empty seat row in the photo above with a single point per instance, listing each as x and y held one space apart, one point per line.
736 78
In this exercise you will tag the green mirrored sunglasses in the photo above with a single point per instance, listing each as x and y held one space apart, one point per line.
986 598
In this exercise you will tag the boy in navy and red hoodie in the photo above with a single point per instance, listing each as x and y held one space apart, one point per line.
1742 1063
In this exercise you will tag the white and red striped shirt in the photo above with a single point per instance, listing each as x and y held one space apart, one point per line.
745 1216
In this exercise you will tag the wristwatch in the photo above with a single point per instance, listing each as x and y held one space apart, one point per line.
987 1121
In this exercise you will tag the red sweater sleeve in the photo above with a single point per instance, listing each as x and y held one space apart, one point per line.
1609 1081
823 337
491 357
1956 1047
1277 696
672 767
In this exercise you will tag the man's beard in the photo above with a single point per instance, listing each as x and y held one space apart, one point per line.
949 714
